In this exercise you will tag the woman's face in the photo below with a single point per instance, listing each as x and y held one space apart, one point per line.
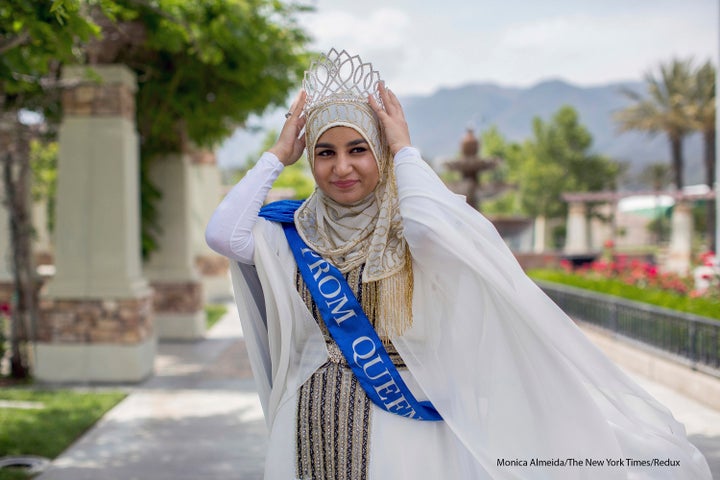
345 168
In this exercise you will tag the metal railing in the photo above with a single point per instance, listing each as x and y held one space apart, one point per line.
692 339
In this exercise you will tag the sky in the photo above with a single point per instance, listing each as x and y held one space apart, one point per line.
420 46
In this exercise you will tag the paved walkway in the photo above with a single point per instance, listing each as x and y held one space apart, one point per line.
199 418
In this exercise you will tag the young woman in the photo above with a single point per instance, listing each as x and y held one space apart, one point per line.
393 335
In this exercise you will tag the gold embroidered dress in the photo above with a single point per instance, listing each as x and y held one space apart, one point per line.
333 411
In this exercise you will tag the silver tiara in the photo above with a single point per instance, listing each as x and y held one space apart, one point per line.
339 77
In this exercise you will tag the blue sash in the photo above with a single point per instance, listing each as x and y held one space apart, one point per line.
348 324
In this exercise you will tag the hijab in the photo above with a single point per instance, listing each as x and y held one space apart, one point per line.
369 232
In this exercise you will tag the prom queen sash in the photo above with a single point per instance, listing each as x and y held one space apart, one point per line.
348 325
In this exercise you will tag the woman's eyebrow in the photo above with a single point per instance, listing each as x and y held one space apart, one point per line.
351 143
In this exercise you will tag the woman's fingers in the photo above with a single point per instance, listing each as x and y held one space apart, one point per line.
376 108
297 104
387 101
390 101
392 118
290 144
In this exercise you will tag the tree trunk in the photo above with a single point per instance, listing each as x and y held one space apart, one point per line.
676 144
710 165
15 145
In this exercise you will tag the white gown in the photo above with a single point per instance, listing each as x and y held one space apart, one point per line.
514 379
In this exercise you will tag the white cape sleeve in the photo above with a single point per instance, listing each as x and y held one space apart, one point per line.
510 373
284 343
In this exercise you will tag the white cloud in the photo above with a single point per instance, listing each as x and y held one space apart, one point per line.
347 30
587 49
380 36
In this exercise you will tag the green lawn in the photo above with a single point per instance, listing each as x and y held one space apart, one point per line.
65 415
214 312
48 431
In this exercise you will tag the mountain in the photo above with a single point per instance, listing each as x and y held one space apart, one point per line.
438 121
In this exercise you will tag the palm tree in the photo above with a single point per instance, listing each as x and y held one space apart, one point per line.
703 114
664 109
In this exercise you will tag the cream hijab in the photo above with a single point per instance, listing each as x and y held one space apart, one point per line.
369 232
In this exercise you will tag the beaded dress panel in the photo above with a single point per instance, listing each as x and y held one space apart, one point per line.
333 411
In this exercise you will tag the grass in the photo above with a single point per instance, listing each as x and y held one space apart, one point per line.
65 416
214 313
699 306
48 431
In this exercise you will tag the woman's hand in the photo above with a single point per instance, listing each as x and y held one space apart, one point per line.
289 146
392 119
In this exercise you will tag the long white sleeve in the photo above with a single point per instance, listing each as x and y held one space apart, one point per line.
229 231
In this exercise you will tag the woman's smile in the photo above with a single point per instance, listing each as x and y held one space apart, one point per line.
345 184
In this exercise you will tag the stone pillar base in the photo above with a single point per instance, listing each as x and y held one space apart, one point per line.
94 363
179 310
99 341
217 289
576 240
215 277
180 326
680 248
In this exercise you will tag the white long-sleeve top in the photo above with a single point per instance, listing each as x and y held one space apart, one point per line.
229 231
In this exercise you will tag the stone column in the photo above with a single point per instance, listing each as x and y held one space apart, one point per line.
576 240
680 248
539 234
96 321
601 230
171 269
206 193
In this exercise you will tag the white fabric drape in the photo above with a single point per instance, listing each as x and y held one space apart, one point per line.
513 377
508 370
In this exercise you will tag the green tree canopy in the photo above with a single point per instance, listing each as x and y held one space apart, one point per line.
203 67
555 160
558 160
36 38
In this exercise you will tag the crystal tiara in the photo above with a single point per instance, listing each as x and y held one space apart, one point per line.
339 77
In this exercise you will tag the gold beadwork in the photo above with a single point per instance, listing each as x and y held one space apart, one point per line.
333 411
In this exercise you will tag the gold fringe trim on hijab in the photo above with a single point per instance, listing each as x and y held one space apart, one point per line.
388 303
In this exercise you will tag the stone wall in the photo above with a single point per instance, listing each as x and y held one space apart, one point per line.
212 265
112 99
124 321
177 297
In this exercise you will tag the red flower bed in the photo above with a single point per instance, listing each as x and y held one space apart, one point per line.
705 283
